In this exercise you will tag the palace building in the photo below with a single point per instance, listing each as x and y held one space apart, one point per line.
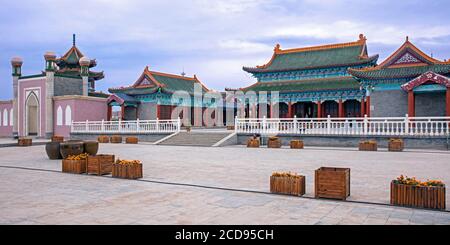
342 80
46 103
152 97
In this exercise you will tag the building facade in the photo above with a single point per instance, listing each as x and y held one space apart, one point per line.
45 104
157 95
342 80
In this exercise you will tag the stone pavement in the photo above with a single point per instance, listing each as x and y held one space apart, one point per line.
43 197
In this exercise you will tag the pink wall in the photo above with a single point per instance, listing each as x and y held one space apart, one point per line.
28 85
92 109
5 131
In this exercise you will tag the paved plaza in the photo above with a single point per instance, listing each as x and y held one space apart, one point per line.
207 185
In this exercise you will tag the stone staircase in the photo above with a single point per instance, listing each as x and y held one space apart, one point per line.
195 138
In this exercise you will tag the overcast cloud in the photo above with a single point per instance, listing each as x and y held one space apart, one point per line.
210 38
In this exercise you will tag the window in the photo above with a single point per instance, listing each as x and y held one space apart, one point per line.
59 116
68 116
5 117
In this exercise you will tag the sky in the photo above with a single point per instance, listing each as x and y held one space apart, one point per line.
213 39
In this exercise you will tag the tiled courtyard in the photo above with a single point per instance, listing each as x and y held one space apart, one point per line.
31 196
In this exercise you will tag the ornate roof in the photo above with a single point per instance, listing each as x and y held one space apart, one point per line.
317 84
428 77
406 62
152 81
333 55
69 64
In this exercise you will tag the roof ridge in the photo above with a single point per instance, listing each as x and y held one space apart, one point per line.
300 81
360 42
170 75
278 51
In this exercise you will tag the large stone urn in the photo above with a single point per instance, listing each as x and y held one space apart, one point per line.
91 147
71 148
53 150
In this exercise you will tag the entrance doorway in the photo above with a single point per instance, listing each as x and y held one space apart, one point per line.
32 115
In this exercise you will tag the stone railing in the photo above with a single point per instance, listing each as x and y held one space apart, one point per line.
365 126
137 126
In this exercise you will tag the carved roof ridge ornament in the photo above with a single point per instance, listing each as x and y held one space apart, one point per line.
426 77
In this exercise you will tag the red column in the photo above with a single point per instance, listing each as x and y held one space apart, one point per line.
122 112
411 104
109 113
368 106
448 101
341 109
290 114
158 111
319 109
363 107
270 110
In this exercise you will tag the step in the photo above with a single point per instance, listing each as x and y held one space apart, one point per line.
195 139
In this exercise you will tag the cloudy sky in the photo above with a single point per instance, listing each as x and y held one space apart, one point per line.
210 38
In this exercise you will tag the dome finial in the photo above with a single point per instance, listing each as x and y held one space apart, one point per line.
407 38
74 39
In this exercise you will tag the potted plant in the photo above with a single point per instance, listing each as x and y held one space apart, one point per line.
287 183
75 164
411 192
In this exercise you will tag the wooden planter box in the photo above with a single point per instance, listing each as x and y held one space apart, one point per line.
288 185
100 164
418 196
74 166
368 146
103 139
332 183
25 142
132 140
126 171
396 145
116 139
274 143
253 143
57 138
297 144
230 127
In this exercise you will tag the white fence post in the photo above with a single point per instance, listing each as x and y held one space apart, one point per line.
103 126
365 124
178 124
120 125
236 124
329 124
264 125
71 127
87 126
157 125
138 126
295 124
406 124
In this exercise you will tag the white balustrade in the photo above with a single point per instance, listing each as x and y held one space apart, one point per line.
364 126
137 126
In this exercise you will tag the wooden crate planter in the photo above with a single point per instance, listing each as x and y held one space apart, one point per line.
297 144
253 143
274 142
116 139
57 138
74 166
396 145
132 140
288 185
103 139
25 142
127 171
332 183
100 164
432 197
230 127
368 145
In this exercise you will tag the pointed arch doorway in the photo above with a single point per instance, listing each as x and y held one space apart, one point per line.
32 115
